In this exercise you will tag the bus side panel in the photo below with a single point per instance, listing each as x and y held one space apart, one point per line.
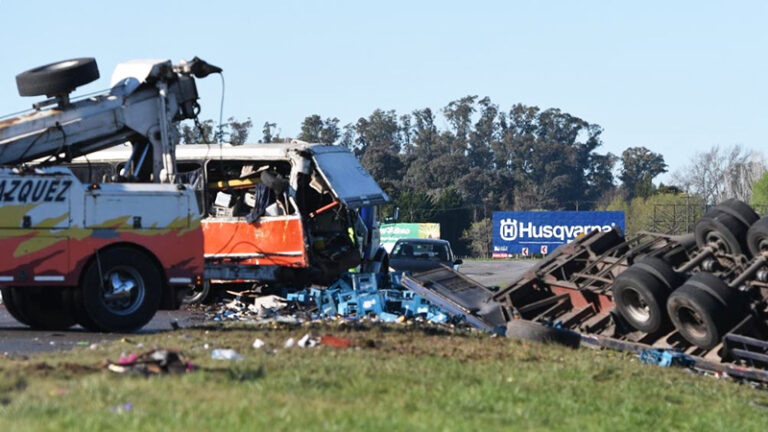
269 241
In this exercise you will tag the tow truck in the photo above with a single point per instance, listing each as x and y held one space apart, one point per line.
106 256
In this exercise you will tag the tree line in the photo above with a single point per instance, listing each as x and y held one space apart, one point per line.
458 164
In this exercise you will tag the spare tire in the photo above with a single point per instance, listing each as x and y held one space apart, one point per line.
57 78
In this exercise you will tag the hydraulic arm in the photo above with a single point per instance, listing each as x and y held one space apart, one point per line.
146 99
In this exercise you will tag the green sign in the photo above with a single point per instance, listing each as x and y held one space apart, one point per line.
390 233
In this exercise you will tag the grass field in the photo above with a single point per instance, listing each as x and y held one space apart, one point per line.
398 378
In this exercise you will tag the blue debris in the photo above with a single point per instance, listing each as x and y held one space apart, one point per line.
666 358
369 294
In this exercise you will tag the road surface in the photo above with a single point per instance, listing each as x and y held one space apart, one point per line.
17 340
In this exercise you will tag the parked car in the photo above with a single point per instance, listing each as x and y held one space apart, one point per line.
418 255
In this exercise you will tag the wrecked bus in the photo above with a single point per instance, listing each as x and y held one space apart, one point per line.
291 213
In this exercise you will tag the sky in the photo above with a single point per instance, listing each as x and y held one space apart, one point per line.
676 77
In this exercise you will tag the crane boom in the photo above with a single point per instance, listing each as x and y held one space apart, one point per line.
146 99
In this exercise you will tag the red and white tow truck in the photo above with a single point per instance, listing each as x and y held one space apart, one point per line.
106 256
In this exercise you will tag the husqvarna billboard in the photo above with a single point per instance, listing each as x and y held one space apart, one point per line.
541 232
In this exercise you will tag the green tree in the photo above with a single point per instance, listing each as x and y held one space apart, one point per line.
316 130
378 143
238 131
479 237
638 168
202 133
266 130
760 192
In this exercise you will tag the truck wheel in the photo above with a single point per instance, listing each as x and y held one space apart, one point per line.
198 294
529 330
44 307
661 270
722 231
9 301
57 78
757 237
703 308
640 298
124 294
73 297
740 210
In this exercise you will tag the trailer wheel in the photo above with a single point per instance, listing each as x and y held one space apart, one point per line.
57 78
43 307
703 308
640 298
757 237
9 300
722 231
661 270
528 330
739 209
124 293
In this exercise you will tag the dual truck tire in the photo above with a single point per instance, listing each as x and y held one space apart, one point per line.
652 298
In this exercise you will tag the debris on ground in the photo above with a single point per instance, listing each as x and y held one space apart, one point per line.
258 343
354 296
335 342
226 354
308 341
122 408
666 358
154 362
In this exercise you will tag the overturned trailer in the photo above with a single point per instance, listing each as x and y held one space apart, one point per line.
701 296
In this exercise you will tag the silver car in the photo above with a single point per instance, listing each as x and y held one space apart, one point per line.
418 255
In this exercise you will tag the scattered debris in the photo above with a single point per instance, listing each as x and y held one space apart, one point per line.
666 358
258 343
268 303
289 343
335 342
122 408
354 296
308 341
226 354
154 362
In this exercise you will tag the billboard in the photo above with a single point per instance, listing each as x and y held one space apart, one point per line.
390 233
541 232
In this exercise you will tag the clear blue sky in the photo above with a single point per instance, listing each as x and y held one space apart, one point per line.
676 77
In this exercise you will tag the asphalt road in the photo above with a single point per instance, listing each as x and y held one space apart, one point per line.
18 340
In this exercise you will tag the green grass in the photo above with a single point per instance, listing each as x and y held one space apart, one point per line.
401 378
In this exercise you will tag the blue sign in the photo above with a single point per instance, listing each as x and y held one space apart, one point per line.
541 232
